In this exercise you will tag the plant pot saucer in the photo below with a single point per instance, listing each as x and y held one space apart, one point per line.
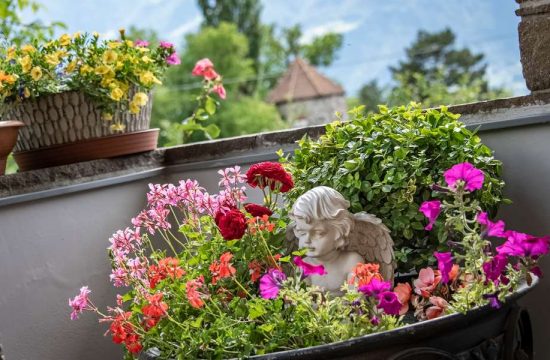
86 150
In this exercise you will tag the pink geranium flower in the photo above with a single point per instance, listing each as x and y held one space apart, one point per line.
309 269
173 59
431 210
79 302
493 229
426 282
444 264
472 177
220 90
205 67
271 283
438 308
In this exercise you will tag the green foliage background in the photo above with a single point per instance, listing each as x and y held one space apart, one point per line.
385 163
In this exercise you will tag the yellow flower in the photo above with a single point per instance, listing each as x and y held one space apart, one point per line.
65 39
95 34
107 116
28 49
147 78
52 59
70 68
26 93
107 81
102 70
84 69
146 59
134 107
129 43
26 63
114 44
140 98
36 73
5 78
118 127
109 56
119 65
77 35
11 53
117 94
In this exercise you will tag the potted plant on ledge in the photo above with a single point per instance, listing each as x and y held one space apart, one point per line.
82 98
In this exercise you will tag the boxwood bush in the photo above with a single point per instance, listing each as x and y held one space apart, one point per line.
385 163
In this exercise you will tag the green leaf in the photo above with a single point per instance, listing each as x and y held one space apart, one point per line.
212 131
255 310
210 106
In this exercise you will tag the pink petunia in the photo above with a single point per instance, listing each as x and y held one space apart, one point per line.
173 59
389 302
142 43
472 177
431 210
271 283
220 90
524 245
166 45
444 264
375 287
492 228
309 269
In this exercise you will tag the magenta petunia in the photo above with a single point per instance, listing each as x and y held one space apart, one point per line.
493 300
524 245
492 228
444 264
389 302
173 59
142 43
494 268
309 269
375 287
431 210
270 283
472 177
166 45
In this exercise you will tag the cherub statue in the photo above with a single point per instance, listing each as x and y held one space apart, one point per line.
338 239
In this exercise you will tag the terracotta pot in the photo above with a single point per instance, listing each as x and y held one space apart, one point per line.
8 137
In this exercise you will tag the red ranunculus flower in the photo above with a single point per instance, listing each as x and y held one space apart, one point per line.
232 224
270 174
257 210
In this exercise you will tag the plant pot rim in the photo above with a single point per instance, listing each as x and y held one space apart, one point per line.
11 123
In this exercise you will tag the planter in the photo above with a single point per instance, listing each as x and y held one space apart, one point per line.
482 333
57 123
8 137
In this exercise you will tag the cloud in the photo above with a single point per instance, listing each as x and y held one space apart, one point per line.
340 27
176 34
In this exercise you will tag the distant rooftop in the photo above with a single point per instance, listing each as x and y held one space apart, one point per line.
301 81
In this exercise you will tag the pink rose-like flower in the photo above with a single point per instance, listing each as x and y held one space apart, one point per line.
166 45
472 177
375 287
270 283
205 67
79 302
309 269
438 308
232 224
426 282
142 43
444 264
220 90
173 59
492 228
431 210
389 302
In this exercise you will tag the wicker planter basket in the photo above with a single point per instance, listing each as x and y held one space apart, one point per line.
57 124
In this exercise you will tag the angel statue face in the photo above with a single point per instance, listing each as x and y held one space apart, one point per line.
322 222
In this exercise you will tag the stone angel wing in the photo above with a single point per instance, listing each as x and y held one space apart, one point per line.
371 239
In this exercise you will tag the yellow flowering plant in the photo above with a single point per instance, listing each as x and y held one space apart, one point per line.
117 75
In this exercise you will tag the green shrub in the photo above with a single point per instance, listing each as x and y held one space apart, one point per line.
385 164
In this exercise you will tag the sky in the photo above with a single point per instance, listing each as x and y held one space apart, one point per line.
375 32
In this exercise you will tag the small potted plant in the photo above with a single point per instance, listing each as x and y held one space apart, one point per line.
82 89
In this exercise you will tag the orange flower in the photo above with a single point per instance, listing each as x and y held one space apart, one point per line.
223 268
167 267
454 272
364 273
193 295
403 291
255 269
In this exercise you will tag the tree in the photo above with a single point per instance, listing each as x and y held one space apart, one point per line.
321 51
16 31
134 33
371 95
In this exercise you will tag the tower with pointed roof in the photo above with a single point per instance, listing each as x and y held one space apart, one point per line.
305 97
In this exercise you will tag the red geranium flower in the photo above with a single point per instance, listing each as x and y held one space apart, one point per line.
123 332
167 267
255 269
193 295
232 224
257 210
222 269
154 311
269 174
